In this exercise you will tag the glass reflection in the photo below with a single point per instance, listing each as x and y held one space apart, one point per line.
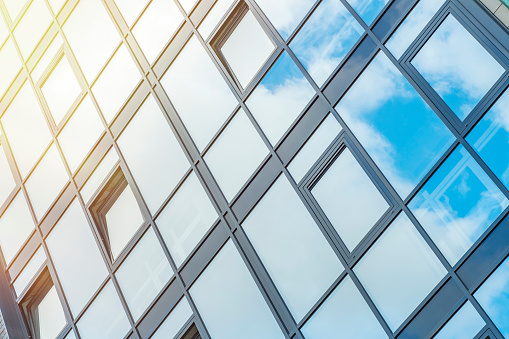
458 68
292 248
457 204
349 198
368 9
32 27
243 312
404 146
10 65
49 317
130 9
7 182
345 312
280 98
466 323
29 271
99 175
399 271
325 39
490 138
212 19
14 7
175 320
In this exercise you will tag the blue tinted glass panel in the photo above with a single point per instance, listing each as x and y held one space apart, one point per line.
466 323
368 9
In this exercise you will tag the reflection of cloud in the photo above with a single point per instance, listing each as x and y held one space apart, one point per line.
368 9
285 15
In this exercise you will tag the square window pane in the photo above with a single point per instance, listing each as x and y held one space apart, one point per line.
105 318
292 248
399 271
29 271
280 98
186 219
7 183
76 257
247 49
32 27
174 321
404 146
345 312
50 318
143 274
466 323
130 9
193 85
243 312
46 182
458 68
212 19
325 39
80 133
368 9
235 155
158 163
457 204
349 199
156 27
10 65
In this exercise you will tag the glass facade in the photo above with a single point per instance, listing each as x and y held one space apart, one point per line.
254 169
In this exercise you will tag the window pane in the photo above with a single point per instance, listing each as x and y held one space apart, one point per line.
175 321
466 71
7 182
466 323
46 182
130 9
100 174
50 315
56 5
368 9
47 58
350 200
325 39
187 4
10 65
292 248
76 257
91 41
186 219
26 129
158 163
32 267
399 271
280 98
143 274
458 204
32 27
213 17
490 138
105 318
70 335
345 312
243 312
157 25
404 146
80 133
16 225
193 85
235 155
14 7
247 49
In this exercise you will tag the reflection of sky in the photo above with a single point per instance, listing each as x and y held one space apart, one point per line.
493 296
396 127
279 98
457 67
490 138
368 9
324 40
458 204
466 323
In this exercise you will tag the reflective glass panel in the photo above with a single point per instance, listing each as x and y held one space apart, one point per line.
368 9
193 85
158 163
47 58
14 7
490 138
76 257
234 156
46 182
92 41
56 5
292 248
247 49
187 4
4 32
457 204
399 271
186 219
143 274
213 17
7 182
80 133
174 322
280 98
32 27
130 9
156 27
349 198
458 68
325 39
49 316
70 335
16 224
105 318
100 174
61 90
345 312
243 312
404 146
29 271
466 323
10 65
26 129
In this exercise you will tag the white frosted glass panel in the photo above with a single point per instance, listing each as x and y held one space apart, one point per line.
143 274
76 257
213 17
32 27
174 322
186 219
466 323
243 312
7 182
28 273
158 163
50 315
10 65
99 175
235 155
130 9
16 224
193 85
